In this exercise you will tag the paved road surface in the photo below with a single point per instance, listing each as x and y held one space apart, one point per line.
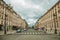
18 36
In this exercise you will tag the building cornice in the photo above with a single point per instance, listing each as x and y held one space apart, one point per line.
50 9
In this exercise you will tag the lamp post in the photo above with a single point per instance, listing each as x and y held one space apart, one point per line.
55 17
5 32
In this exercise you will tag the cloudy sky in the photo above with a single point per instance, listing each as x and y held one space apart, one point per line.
31 10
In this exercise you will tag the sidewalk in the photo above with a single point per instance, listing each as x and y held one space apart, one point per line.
1 32
9 32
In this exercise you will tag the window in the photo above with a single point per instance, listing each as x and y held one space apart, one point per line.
59 10
0 16
2 22
58 5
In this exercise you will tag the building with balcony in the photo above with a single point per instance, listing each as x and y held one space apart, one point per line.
50 21
9 18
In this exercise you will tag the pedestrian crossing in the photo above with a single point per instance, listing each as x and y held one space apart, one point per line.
30 33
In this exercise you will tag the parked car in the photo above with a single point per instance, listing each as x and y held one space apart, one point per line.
24 29
18 30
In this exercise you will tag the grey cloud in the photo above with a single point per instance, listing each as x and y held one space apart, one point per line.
32 13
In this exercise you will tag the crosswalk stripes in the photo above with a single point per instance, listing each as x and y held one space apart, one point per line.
38 33
33 33
25 33
29 33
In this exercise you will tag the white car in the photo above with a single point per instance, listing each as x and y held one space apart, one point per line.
24 29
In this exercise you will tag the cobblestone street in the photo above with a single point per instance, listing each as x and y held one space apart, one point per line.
18 36
29 37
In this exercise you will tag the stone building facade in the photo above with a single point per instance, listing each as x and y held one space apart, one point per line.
50 20
24 24
9 18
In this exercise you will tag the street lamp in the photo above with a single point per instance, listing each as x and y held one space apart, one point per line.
55 17
5 20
